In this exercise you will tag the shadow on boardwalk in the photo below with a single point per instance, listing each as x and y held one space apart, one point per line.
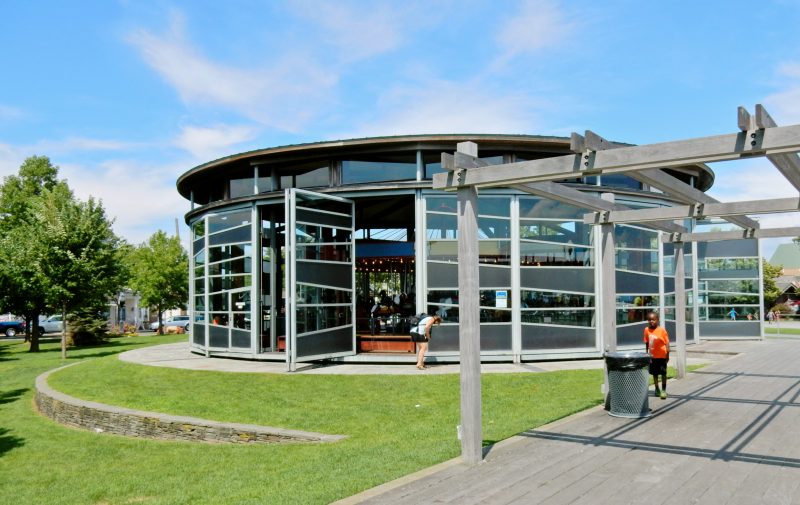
726 434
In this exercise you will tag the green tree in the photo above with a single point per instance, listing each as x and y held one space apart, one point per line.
23 288
78 254
159 272
771 291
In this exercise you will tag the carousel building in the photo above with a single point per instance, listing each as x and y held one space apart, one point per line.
324 251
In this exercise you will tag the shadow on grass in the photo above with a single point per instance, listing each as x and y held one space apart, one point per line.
12 396
9 442
5 354
81 350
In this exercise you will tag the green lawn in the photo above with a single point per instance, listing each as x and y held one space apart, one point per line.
395 425
773 330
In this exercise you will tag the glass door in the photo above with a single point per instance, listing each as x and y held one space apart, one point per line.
320 298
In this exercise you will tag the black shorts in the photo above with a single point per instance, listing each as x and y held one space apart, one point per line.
658 366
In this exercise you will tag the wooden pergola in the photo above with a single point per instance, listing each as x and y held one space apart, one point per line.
759 136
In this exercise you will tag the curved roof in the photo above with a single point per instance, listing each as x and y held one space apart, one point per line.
539 144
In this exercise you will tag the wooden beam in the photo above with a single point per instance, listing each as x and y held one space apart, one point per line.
787 163
571 196
769 141
675 188
680 311
608 293
697 211
710 236
469 316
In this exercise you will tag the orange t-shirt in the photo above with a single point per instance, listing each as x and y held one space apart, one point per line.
658 341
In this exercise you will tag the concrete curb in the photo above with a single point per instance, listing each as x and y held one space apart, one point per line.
101 418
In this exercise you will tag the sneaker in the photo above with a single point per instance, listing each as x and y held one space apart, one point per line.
657 393
663 395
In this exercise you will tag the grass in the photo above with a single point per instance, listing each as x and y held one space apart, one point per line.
395 425
772 330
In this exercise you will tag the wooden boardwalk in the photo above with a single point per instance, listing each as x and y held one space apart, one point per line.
728 434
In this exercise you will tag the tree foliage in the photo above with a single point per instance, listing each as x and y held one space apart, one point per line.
771 291
159 271
57 254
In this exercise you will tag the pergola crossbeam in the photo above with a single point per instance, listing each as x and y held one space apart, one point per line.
711 236
675 188
697 211
787 163
769 141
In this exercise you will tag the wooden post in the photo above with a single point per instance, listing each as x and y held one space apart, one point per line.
469 318
680 311
608 291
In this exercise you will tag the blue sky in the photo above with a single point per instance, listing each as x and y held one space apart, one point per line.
126 95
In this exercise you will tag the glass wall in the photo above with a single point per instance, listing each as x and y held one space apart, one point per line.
557 288
728 291
637 270
380 168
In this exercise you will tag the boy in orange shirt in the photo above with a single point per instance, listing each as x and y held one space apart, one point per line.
656 342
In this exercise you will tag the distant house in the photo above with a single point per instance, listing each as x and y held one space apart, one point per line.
788 256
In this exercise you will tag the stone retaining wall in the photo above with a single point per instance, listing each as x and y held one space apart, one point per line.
102 418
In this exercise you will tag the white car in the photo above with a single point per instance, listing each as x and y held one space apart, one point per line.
50 325
180 321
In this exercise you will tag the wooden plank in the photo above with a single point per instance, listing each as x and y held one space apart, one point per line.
734 146
680 311
700 210
791 231
674 187
788 163
469 318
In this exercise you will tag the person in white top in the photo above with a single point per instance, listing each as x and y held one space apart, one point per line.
424 329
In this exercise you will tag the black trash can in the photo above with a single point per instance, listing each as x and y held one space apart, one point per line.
627 384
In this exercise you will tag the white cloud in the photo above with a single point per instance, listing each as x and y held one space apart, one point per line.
207 143
451 107
784 105
537 25
284 93
357 31
141 198
751 179
8 112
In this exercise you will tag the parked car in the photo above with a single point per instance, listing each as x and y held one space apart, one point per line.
50 324
175 321
11 328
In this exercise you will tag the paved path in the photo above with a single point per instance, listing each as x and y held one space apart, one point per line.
728 434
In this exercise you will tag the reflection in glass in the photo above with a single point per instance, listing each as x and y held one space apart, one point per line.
328 252
637 261
219 253
221 222
314 295
572 317
355 171
536 208
628 237
548 299
563 232
549 254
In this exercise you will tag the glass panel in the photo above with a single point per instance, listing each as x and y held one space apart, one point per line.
493 228
319 177
241 321
220 318
495 298
236 266
543 254
264 182
200 258
635 238
495 315
544 299
338 252
583 317
199 286
637 261
443 250
650 301
320 318
225 252
632 315
619 181
731 299
724 313
314 295
488 206
563 232
449 314
441 226
240 301
441 204
218 302
307 233
542 208
229 282
241 187
716 264
731 286
231 220
199 229
199 304
356 171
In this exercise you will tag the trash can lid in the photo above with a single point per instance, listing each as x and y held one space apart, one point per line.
630 360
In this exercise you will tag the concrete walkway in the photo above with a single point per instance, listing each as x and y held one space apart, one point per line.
727 434
177 355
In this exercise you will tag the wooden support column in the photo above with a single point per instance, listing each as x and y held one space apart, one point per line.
469 318
608 290
680 311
